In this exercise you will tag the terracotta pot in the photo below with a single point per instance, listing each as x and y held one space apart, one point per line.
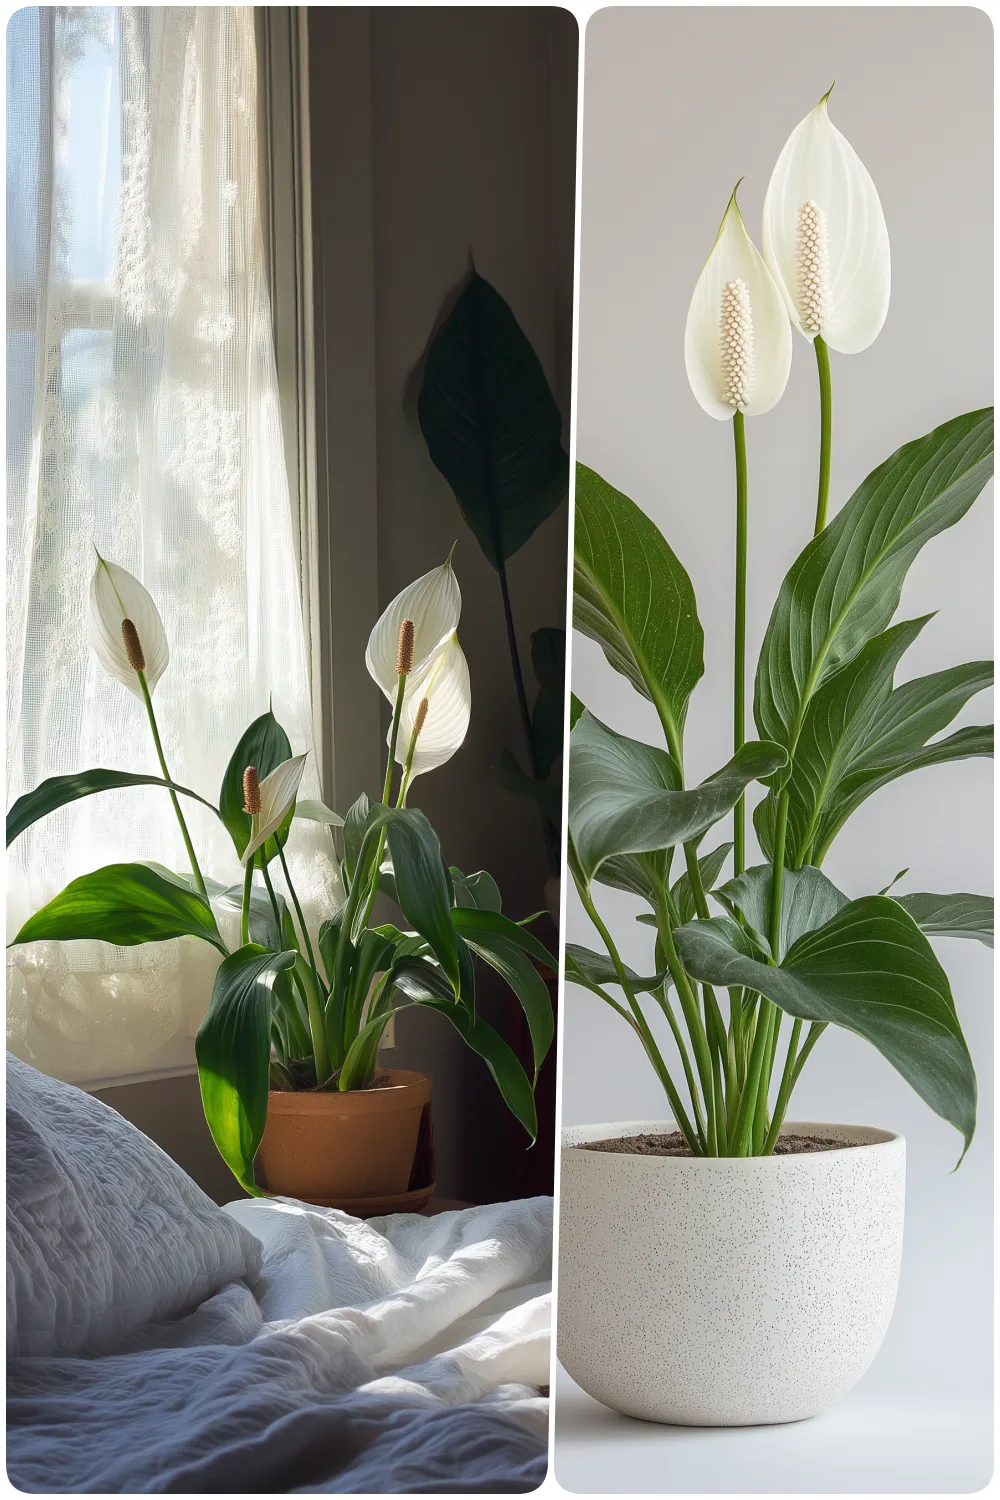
329 1146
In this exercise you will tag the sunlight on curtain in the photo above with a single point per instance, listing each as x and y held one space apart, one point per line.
142 418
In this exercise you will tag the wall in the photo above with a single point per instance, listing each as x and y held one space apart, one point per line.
677 104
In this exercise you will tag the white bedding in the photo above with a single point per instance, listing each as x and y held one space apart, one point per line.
398 1355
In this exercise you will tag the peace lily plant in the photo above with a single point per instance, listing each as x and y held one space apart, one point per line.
288 1012
733 957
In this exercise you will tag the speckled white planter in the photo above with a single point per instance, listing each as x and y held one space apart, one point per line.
725 1293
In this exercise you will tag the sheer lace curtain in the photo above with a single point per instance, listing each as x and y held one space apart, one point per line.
143 419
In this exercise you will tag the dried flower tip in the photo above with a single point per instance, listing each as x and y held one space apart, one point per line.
251 791
421 717
812 267
133 647
736 343
404 648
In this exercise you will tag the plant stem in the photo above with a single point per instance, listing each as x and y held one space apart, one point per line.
696 1029
740 633
784 1088
825 430
245 911
648 1041
189 846
317 1030
396 715
302 922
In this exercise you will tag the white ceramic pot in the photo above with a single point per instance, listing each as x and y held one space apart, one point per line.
727 1292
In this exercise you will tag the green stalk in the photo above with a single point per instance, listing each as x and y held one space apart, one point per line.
825 430
695 1026
648 1041
784 1088
314 1003
273 899
740 633
189 846
245 912
396 715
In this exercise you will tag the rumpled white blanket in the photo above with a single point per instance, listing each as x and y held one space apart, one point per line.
401 1354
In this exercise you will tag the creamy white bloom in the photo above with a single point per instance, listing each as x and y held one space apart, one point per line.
115 596
737 342
434 604
277 794
824 236
444 682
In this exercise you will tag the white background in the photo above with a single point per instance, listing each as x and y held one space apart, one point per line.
678 103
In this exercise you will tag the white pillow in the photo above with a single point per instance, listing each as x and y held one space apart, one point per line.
104 1232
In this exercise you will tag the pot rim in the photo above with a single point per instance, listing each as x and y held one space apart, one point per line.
406 1090
867 1138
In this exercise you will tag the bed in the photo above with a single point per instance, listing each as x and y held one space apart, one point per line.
159 1343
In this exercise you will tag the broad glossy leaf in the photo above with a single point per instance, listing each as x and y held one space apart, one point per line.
808 900
233 1049
625 797
960 915
264 929
834 732
57 791
872 971
479 890
709 866
264 746
491 423
845 586
355 828
634 598
482 924
589 969
640 874
421 878
508 958
124 904
508 1074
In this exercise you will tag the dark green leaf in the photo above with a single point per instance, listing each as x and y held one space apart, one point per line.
872 971
960 915
845 586
355 827
264 929
589 969
57 791
513 965
681 893
479 890
264 746
123 904
510 1077
421 878
625 797
480 925
576 708
634 598
233 1049
491 423
808 900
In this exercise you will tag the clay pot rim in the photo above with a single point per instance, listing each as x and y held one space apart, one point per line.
866 1138
386 1100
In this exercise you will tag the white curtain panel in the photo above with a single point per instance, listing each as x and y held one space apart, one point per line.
143 419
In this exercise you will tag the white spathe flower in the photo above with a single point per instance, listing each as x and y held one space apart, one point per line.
116 596
737 342
444 683
824 236
277 796
434 604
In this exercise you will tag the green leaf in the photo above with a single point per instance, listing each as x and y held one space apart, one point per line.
960 915
625 797
57 791
491 423
505 946
872 971
808 900
514 779
479 890
845 586
576 709
634 598
355 828
510 1077
264 930
681 893
591 970
317 812
233 1048
123 904
421 880
548 657
477 925
264 745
